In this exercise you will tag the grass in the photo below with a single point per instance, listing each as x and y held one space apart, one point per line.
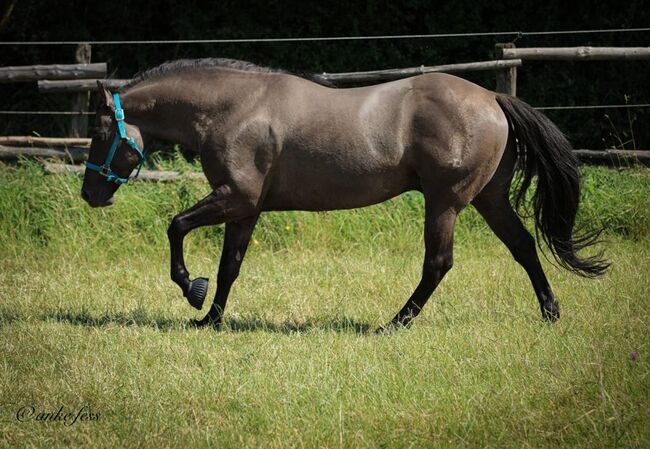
88 317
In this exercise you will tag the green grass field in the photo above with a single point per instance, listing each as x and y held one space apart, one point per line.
90 321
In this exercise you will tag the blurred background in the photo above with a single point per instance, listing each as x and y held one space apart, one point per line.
542 83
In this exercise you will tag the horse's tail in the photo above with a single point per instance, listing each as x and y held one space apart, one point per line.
544 151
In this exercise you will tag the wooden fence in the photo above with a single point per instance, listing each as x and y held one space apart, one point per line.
507 78
81 78
81 85
83 69
52 72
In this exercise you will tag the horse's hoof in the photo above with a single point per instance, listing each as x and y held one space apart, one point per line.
551 312
398 323
205 322
387 328
196 292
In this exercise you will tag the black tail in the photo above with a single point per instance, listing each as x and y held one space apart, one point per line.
544 151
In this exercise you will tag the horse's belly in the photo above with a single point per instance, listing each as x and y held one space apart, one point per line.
327 190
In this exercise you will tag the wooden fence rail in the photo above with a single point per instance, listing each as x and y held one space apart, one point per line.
577 53
45 141
614 155
72 154
145 175
393 74
506 80
52 72
49 87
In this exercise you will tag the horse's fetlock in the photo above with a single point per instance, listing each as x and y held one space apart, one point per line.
181 277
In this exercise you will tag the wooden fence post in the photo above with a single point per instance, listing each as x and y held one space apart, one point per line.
79 123
506 78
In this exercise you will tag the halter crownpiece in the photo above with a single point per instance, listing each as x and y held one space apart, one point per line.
120 135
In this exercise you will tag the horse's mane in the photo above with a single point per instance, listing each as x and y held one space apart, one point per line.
180 65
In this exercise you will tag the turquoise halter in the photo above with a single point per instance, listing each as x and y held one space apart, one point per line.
120 135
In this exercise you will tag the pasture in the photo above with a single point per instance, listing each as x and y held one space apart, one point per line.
89 318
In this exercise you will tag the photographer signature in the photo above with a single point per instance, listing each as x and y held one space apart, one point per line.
67 416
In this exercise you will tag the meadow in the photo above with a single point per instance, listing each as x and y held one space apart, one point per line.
91 322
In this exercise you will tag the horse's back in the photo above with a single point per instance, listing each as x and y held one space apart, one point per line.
344 148
340 148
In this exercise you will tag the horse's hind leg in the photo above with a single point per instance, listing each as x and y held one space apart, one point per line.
235 243
502 219
438 259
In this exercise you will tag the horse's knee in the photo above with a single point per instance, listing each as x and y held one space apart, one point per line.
445 263
175 228
437 266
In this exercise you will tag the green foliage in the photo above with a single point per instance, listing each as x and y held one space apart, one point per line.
616 200
46 211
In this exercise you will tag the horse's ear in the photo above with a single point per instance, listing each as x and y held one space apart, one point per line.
105 97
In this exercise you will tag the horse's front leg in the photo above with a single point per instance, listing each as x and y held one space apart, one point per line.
218 207
235 243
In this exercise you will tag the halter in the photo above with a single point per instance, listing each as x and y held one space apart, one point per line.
120 135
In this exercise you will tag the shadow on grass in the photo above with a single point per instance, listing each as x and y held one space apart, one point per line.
339 324
137 317
140 318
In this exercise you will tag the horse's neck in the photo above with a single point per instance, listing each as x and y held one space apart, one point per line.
163 114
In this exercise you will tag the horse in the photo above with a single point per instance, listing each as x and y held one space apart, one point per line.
271 140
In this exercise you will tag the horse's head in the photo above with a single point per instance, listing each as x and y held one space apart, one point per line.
115 151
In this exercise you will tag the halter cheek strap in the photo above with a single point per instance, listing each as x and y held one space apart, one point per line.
120 135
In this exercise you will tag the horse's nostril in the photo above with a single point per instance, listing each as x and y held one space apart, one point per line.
85 195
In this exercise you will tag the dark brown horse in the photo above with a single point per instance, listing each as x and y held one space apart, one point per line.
269 140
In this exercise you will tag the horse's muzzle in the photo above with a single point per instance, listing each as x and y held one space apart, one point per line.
94 202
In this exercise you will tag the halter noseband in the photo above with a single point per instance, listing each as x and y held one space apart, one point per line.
120 135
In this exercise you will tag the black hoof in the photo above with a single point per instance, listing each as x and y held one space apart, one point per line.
197 292
551 312
392 327
207 321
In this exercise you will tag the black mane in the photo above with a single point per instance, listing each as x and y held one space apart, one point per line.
233 64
